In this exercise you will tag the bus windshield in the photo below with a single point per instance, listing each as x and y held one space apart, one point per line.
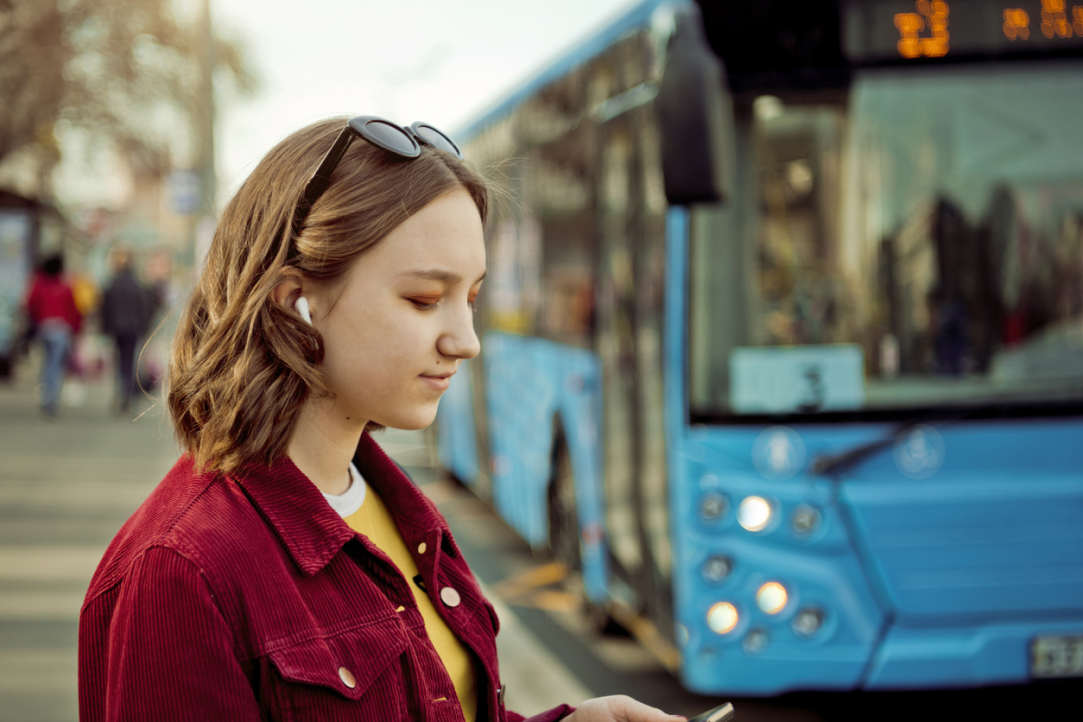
918 244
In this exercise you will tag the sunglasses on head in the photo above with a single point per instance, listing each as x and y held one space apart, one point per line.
404 142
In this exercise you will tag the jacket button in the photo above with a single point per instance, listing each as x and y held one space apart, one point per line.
347 677
421 548
450 597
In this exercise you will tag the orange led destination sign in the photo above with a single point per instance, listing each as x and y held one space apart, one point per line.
928 30
1057 21
931 17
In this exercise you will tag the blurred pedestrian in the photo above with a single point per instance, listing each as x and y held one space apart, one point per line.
50 305
127 307
286 568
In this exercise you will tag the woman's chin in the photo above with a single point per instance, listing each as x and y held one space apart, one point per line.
421 419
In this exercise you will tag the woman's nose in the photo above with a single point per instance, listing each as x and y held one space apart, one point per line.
459 339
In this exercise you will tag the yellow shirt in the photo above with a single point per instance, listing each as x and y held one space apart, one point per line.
374 521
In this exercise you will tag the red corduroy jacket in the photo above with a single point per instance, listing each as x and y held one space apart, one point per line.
51 297
246 597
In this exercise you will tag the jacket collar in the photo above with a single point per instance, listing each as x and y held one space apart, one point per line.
402 497
309 528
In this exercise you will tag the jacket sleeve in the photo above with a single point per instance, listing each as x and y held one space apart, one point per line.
158 648
71 310
33 298
552 715
106 311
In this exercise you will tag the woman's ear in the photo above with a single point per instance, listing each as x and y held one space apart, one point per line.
288 289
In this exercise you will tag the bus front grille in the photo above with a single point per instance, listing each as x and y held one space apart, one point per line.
977 549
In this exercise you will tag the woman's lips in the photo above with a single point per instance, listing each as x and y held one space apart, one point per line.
440 383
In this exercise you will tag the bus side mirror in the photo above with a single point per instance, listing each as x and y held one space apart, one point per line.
694 110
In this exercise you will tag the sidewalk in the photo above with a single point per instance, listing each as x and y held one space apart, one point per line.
66 486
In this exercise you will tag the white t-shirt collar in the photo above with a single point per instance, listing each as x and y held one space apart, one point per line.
349 502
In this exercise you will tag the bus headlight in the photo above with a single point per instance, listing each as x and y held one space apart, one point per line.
755 513
771 598
756 641
722 618
716 568
808 621
805 519
712 507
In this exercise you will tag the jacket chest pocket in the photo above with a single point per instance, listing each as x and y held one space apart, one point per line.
354 675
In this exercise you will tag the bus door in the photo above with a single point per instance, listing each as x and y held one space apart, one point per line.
631 208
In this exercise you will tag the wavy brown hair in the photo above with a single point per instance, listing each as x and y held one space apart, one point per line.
241 364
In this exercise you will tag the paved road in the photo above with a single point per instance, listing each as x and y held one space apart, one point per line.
65 488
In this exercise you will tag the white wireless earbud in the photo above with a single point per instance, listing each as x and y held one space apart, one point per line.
302 308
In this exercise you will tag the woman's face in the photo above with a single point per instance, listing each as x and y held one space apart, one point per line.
404 319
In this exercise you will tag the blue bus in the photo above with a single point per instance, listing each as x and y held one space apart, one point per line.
783 338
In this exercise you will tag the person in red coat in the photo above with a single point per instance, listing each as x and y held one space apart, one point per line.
51 307
286 568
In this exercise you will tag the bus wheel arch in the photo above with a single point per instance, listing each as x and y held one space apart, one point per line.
565 533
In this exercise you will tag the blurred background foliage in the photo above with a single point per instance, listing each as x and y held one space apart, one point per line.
130 75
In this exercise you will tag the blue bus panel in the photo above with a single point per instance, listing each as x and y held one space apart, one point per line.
535 388
456 435
941 580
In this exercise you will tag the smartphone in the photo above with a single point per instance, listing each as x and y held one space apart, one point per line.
723 713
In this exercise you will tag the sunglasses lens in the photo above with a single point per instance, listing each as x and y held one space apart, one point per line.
391 138
438 140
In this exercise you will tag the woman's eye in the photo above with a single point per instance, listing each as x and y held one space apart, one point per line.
425 304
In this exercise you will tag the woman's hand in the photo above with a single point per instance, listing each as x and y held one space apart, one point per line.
618 708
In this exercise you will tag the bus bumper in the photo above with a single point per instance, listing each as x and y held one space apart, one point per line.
961 656
724 672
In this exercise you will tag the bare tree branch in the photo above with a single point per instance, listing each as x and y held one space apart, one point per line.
123 70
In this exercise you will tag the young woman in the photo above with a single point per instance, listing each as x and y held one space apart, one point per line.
286 569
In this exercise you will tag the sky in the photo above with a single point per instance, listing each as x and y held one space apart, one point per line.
439 61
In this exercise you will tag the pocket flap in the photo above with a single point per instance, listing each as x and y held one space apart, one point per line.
348 662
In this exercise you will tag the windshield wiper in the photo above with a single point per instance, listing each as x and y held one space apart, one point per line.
834 464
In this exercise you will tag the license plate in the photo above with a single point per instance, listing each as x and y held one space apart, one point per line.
1060 656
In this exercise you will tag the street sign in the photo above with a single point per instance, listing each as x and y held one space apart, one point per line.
184 188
